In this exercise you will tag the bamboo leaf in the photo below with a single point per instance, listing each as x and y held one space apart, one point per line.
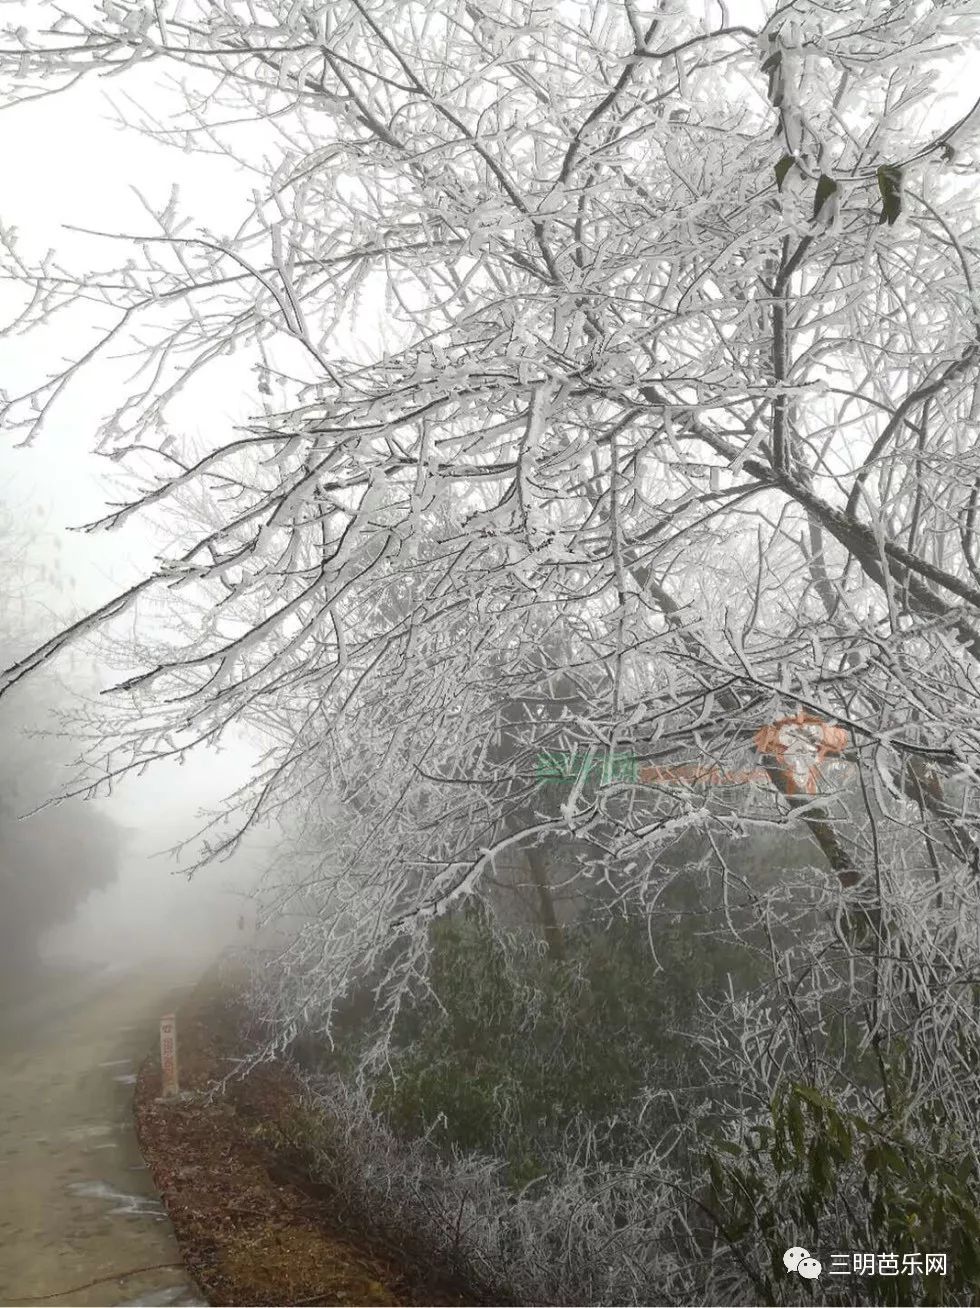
826 192
782 168
890 185
794 1118
773 68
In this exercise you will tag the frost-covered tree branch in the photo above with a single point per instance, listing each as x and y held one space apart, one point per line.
596 330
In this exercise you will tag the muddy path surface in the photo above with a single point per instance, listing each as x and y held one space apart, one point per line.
77 1205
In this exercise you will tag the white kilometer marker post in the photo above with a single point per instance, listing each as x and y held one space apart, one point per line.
168 1054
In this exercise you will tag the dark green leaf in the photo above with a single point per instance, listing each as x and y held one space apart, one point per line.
794 1118
842 1139
807 1092
821 1170
772 66
894 1159
782 168
727 1147
826 189
890 186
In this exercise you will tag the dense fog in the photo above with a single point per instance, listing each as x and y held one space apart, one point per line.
96 881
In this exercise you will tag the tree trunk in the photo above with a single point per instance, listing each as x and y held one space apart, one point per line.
553 934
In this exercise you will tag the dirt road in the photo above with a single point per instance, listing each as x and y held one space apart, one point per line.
76 1202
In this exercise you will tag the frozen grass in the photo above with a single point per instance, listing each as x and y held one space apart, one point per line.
595 1235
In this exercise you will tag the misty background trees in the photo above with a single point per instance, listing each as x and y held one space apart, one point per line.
51 857
615 397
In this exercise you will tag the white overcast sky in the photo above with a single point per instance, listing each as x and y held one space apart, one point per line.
65 162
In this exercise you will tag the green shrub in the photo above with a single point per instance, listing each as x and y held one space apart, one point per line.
511 1048
814 1173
